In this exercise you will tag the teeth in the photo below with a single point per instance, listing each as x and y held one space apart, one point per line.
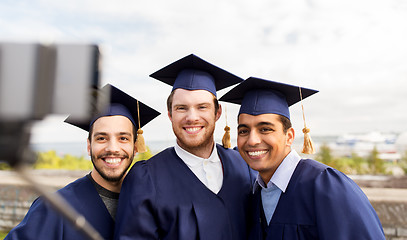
256 153
194 129
113 160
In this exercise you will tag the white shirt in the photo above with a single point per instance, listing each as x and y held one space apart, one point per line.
208 171
278 183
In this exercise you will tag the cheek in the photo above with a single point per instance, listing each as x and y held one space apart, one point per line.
176 118
97 147
129 148
240 142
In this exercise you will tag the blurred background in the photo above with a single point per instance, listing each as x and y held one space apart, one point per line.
352 51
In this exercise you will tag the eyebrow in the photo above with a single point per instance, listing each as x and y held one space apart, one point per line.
197 104
241 126
257 125
105 134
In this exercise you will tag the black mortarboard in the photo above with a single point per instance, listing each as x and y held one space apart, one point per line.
259 96
194 73
120 103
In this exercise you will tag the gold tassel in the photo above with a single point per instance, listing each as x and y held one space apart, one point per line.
308 147
140 143
226 137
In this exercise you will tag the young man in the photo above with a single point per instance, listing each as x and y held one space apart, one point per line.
111 146
197 189
294 198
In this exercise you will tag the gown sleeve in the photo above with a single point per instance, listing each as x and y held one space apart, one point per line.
135 213
342 209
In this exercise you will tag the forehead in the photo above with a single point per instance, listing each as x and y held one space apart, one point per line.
248 119
115 123
183 96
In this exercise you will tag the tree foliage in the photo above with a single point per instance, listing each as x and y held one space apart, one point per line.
324 155
403 162
51 160
354 164
4 166
375 163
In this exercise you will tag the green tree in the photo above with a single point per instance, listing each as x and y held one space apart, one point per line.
50 160
403 162
4 166
47 160
324 155
376 164
357 164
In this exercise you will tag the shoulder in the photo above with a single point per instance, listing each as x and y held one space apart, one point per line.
162 156
310 169
229 154
155 162
82 182
325 178
312 165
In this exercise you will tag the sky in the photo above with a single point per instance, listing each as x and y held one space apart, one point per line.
352 51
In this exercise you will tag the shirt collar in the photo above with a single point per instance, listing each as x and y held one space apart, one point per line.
191 160
282 175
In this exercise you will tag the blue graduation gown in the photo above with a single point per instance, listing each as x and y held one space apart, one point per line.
43 222
319 203
162 199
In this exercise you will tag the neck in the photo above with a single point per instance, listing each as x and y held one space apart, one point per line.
202 151
267 175
111 186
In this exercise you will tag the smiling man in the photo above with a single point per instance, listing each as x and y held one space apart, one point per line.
294 198
111 146
197 189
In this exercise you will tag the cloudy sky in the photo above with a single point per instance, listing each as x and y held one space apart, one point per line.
352 51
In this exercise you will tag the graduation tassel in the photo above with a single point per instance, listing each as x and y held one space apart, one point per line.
308 147
140 143
226 137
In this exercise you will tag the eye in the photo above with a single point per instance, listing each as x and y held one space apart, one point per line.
124 138
101 138
180 108
242 132
266 130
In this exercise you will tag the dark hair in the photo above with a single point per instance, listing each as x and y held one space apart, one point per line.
91 131
285 122
171 96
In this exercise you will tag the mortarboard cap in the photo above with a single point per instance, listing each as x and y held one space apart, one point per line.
259 96
194 73
120 103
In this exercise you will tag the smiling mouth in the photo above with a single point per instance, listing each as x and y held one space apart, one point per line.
256 153
192 130
112 160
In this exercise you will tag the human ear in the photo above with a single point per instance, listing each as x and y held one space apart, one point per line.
290 136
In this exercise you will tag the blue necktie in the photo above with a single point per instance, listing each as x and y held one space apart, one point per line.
269 198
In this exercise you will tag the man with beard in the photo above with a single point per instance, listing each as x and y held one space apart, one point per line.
111 145
196 189
294 198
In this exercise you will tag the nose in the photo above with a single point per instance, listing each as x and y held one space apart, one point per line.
112 146
253 139
192 115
